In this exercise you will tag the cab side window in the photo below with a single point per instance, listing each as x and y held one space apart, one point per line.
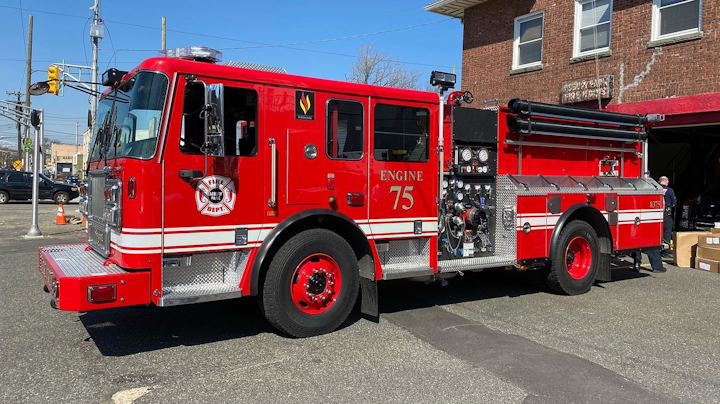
401 133
240 121
344 131
192 133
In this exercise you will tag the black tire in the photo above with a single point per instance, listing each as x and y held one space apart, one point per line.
557 276
276 301
61 197
4 197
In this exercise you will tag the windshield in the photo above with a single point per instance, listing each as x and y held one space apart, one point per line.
133 129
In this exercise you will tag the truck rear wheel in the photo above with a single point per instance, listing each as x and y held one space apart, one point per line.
311 285
575 259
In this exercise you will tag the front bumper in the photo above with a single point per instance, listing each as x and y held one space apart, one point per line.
70 270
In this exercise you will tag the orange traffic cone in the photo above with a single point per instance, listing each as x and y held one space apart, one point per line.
60 219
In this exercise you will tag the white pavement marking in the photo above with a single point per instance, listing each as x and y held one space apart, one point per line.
129 396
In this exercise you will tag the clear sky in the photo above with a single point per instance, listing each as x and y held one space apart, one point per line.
61 31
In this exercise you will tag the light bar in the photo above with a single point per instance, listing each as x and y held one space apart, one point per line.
199 53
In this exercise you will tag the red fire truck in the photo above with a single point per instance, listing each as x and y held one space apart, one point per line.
208 182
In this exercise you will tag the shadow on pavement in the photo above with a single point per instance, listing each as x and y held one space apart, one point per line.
127 331
131 330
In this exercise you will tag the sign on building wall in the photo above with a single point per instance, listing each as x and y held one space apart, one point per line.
587 89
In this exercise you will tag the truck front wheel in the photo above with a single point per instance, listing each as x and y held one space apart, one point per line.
575 259
311 284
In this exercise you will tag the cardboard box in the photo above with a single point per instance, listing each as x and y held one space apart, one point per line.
707 265
709 253
715 230
709 240
684 244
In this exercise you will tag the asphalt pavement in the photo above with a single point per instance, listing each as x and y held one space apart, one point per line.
485 338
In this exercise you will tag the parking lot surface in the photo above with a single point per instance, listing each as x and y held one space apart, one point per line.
484 338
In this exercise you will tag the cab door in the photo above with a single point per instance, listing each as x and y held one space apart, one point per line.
20 185
346 156
217 205
403 184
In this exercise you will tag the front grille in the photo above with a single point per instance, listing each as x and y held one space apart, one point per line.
97 196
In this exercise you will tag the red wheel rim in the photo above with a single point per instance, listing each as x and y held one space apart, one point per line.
578 257
316 284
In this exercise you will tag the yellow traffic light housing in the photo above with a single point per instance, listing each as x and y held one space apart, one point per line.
54 79
53 73
54 87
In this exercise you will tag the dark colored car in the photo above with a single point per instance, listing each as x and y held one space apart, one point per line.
72 179
18 185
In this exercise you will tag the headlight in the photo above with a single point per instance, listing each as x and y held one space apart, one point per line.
73 189
113 191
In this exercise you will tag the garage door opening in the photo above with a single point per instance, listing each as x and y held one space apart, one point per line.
690 157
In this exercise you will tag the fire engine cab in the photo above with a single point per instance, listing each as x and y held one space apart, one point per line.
208 181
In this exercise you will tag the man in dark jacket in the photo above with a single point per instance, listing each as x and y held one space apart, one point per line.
670 202
656 264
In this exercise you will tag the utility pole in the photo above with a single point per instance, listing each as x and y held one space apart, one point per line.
77 126
93 100
163 34
18 94
28 73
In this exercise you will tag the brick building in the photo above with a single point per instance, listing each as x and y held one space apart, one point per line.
636 56
644 49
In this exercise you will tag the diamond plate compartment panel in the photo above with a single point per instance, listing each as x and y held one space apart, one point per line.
505 236
204 274
406 255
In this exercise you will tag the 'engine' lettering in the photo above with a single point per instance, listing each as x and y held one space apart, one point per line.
400 175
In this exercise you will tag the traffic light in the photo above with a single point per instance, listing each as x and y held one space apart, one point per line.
54 79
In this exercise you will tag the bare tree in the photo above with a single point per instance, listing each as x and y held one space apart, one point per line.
380 69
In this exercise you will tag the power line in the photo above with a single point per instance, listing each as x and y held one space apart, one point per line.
262 44
342 38
83 41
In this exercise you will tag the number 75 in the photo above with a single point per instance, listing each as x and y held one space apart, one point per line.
405 194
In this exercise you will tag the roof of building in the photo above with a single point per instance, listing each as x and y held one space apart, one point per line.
452 8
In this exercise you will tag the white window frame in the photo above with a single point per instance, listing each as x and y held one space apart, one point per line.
516 41
656 21
578 23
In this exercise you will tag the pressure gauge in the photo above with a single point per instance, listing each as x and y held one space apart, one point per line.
459 196
466 154
483 155
459 184
467 187
445 184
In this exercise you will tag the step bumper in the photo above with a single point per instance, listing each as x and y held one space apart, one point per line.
79 280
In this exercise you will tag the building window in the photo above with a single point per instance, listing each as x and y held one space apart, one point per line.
401 133
528 40
344 134
592 26
676 17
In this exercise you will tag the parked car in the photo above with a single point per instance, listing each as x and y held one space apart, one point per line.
72 179
17 185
